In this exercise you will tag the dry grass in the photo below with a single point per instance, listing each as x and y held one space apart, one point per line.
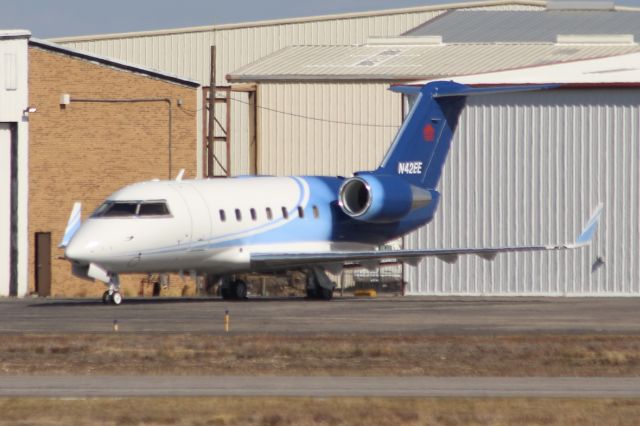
319 411
530 355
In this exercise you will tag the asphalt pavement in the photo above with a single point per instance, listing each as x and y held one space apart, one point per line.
392 315
139 386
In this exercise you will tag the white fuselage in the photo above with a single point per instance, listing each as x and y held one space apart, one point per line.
211 226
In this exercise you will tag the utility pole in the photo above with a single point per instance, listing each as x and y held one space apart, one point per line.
212 113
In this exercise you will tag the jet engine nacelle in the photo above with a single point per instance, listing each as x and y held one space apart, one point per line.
380 198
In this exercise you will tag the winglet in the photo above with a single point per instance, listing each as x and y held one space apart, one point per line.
589 229
72 225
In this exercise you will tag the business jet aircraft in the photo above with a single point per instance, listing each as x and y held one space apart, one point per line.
267 224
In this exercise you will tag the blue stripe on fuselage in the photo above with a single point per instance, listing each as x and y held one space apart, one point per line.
331 225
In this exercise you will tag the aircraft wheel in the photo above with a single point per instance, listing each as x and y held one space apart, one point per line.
116 298
225 292
239 290
324 293
311 293
106 297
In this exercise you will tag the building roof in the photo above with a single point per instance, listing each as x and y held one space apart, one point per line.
463 42
461 26
9 34
389 62
251 24
112 62
623 70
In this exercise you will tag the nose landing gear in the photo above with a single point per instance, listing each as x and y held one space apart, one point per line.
113 295
114 298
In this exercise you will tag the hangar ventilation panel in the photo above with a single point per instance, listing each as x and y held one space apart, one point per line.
388 57
379 58
395 50
381 51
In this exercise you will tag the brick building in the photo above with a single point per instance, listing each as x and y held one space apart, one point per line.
99 124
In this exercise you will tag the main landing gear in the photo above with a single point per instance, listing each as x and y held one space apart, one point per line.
113 295
233 289
319 286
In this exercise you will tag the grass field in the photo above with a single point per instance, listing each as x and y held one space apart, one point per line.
319 411
526 355
512 355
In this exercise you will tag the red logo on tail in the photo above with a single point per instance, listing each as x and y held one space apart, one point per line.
428 132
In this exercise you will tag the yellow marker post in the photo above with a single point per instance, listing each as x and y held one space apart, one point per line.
115 325
226 321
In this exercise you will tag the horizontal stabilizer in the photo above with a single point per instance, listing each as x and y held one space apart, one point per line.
464 90
446 90
72 225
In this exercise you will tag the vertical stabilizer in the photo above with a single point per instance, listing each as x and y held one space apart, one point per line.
422 144
423 141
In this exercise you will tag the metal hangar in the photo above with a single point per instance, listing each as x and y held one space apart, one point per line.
526 168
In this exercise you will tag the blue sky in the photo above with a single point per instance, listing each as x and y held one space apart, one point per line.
57 18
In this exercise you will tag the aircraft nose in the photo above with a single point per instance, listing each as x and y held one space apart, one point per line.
82 248
75 252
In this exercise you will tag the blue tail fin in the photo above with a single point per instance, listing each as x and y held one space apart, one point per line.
421 146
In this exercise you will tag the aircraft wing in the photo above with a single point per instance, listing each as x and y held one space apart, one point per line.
450 255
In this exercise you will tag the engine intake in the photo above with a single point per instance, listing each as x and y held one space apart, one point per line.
380 198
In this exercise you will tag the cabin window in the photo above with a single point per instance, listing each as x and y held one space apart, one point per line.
316 212
238 215
153 209
269 213
285 213
253 214
223 215
300 212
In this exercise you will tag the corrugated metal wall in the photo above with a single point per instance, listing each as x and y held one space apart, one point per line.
187 53
330 128
529 168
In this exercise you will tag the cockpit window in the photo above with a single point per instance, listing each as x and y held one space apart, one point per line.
132 209
100 210
120 210
153 209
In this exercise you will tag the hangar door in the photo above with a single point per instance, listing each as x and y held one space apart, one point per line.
7 202
529 168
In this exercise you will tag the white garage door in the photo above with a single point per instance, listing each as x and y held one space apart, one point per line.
5 208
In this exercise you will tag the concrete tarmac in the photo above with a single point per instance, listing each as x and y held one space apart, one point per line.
389 315
141 386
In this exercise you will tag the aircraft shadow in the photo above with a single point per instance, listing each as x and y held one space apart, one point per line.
137 301
427 301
